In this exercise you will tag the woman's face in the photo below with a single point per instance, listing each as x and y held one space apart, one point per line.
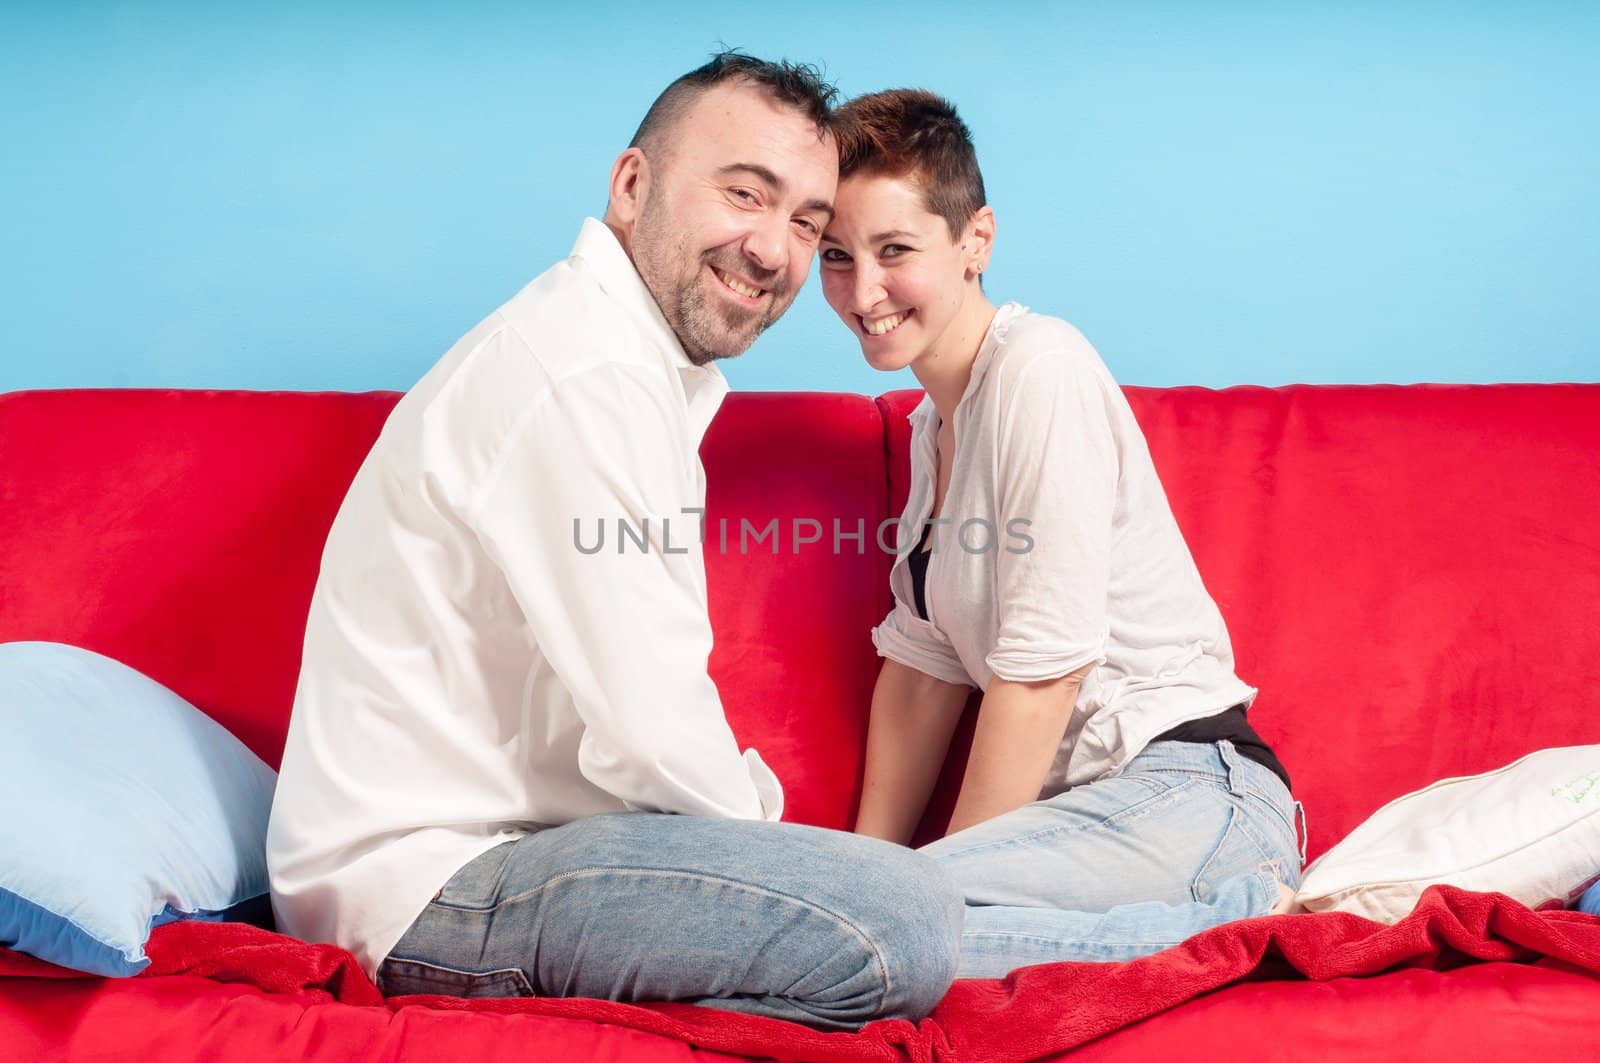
890 269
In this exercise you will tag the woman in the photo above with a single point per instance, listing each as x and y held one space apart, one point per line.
1116 799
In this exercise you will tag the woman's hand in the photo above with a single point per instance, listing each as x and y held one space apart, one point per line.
1020 727
913 718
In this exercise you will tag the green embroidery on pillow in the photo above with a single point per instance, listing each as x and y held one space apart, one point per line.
1579 790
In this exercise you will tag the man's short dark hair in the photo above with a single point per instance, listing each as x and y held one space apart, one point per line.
796 85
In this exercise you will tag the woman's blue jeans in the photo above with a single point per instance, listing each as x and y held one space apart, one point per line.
793 922
1190 836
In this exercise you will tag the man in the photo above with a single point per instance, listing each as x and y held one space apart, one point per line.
493 729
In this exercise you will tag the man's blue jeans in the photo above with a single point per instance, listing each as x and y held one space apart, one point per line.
1190 836
793 922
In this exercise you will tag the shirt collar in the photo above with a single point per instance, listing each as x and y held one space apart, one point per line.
602 253
993 340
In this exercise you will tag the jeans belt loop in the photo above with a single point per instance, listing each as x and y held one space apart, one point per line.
1232 761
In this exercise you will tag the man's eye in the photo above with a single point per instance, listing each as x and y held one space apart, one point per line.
744 194
808 227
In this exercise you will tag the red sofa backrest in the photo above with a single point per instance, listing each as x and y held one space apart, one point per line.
792 656
1409 574
178 532
181 532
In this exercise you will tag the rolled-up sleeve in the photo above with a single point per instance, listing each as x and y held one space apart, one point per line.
915 643
1058 470
625 629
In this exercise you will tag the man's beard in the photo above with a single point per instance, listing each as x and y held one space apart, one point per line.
707 332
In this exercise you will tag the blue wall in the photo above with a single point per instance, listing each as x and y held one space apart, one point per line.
327 195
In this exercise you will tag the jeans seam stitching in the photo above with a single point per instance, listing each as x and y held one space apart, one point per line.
1016 936
1216 851
1117 817
521 975
1239 767
1262 843
1277 814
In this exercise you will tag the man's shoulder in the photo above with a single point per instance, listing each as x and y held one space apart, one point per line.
562 324
567 323
559 328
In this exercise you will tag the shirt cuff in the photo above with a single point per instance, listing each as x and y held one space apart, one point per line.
767 786
1036 663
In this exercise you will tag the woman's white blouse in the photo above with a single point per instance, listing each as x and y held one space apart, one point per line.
1056 547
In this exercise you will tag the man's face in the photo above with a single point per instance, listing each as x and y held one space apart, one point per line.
730 217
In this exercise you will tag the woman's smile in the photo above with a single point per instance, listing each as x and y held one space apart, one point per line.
884 324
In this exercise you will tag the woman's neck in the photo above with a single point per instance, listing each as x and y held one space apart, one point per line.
945 368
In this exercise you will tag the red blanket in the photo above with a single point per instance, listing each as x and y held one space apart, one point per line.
1034 1012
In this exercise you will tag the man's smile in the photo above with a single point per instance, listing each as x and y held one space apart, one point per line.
749 293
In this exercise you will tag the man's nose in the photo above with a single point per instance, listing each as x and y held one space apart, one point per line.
767 245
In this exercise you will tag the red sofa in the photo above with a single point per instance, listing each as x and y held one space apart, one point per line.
1410 576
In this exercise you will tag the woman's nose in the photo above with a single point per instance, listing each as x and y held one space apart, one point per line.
869 290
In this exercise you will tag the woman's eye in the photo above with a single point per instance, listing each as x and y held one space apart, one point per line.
833 254
893 250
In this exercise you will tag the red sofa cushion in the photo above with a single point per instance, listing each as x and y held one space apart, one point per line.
1031 1014
1487 1011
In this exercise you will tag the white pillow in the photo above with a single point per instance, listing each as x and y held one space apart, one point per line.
1530 830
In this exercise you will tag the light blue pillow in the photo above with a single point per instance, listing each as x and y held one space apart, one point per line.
122 807
1590 901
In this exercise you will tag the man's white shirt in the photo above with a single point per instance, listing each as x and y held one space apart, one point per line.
469 673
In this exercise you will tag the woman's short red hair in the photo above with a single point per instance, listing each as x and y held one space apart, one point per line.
913 133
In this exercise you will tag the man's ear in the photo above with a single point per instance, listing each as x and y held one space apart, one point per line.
979 240
630 180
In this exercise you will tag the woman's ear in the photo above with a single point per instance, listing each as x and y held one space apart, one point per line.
979 242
